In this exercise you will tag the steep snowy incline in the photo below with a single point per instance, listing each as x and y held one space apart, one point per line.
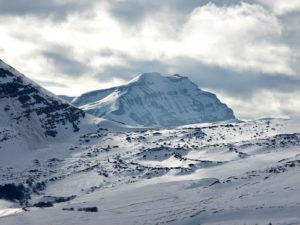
30 114
153 100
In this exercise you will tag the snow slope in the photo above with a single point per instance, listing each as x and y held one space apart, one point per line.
220 173
153 100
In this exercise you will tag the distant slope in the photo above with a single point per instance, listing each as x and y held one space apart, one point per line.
155 100
65 97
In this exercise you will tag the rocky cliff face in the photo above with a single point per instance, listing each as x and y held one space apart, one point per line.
155 100
32 111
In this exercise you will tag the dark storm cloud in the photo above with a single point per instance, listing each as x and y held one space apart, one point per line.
238 84
291 36
42 8
133 12
291 22
129 12
65 64
135 68
187 6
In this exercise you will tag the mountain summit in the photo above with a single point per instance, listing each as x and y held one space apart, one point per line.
151 99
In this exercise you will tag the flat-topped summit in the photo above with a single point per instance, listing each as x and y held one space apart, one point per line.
155 77
151 99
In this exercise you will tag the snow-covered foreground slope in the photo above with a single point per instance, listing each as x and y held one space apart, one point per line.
153 100
234 173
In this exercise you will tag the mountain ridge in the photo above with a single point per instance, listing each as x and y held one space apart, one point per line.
32 111
157 100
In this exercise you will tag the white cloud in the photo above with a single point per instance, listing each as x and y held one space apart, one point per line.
265 103
281 7
242 37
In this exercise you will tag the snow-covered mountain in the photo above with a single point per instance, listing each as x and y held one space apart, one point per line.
155 100
93 171
30 113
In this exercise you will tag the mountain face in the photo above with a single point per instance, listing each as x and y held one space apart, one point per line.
33 112
155 100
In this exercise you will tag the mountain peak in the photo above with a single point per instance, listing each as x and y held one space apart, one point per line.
147 77
178 76
151 99
155 76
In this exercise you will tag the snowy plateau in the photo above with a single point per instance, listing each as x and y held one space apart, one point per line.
60 164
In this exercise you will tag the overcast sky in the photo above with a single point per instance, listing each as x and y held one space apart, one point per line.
247 52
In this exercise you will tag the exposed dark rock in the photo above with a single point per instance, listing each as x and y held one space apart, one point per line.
13 192
34 101
89 209
43 204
